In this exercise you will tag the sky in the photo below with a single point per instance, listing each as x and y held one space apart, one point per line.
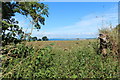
74 19
70 0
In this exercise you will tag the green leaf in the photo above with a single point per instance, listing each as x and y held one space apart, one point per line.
74 76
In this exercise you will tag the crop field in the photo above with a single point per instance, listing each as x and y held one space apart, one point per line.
59 59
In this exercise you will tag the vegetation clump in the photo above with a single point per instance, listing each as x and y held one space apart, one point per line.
113 39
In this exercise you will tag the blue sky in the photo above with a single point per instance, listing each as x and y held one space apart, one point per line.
74 19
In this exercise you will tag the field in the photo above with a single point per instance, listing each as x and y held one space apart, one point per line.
26 52
60 44
59 59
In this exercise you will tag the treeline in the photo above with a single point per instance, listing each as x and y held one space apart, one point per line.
36 39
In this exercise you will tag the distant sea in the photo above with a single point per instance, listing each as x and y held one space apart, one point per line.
68 39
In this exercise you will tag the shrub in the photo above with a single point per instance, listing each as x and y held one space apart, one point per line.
45 38
27 62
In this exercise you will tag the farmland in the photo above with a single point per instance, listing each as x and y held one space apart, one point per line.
59 59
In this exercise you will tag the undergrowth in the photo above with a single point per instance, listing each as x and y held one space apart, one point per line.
26 62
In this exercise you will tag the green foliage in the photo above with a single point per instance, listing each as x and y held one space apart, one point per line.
39 39
49 62
10 30
52 44
84 62
34 38
27 62
13 31
7 10
34 10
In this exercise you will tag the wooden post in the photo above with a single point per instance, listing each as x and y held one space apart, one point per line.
103 44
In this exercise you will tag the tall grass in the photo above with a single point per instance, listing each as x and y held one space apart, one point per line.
112 35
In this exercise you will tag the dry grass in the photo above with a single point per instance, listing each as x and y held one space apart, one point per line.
59 44
112 34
